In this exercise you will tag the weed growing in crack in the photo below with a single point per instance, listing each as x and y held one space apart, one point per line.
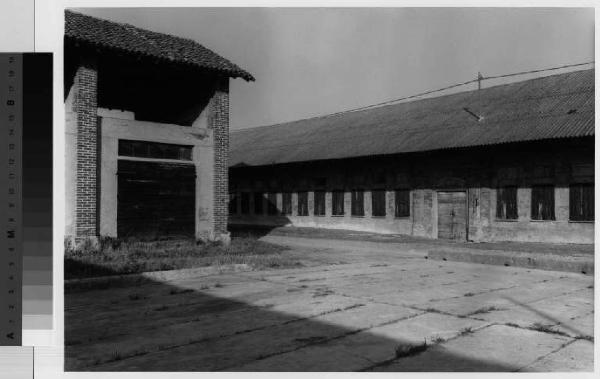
484 310
437 339
465 331
546 328
407 350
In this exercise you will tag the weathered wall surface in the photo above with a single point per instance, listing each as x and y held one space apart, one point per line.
113 129
92 139
478 172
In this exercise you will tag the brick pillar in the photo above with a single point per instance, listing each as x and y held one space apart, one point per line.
219 122
85 101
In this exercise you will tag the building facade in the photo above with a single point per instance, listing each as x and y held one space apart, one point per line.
147 133
506 163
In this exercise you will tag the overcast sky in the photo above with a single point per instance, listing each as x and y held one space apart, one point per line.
314 61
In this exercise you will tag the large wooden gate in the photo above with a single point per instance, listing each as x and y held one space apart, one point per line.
452 215
155 199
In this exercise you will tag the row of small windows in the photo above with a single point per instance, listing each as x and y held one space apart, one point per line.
357 199
581 202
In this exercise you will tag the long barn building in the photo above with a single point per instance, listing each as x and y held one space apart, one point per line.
513 162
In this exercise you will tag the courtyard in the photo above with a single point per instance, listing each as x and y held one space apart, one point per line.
351 304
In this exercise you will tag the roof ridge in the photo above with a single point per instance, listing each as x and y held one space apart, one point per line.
341 113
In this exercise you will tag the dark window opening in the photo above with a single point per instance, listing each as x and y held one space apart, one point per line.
337 203
303 203
581 202
542 202
144 149
233 203
319 203
258 203
358 200
286 203
378 203
245 203
506 203
402 203
272 204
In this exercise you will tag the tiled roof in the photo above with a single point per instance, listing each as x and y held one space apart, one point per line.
557 106
107 34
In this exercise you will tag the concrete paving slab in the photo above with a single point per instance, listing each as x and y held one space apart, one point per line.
496 348
577 356
379 344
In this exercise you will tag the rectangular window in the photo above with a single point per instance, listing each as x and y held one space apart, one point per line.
245 203
156 150
286 203
378 203
506 203
542 202
337 203
272 203
319 203
358 203
303 203
402 203
258 203
581 202
233 203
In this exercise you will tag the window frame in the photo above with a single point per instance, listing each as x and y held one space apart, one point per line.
535 191
335 199
304 207
590 207
259 207
355 205
502 193
286 204
320 204
378 204
397 213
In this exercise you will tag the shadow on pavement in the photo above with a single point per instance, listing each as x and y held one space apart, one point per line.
155 326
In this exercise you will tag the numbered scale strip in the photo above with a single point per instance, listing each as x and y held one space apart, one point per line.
11 253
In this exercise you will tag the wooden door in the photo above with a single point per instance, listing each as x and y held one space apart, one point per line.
452 215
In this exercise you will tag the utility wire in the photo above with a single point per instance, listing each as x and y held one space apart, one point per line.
458 85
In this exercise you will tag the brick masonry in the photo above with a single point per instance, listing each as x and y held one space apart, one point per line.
86 80
219 122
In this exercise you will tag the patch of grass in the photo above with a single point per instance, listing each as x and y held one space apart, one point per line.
407 350
127 256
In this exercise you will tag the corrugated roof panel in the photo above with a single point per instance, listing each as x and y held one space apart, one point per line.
524 111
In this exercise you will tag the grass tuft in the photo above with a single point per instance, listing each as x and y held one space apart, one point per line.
407 350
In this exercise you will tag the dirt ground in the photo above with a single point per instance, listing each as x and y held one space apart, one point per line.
354 306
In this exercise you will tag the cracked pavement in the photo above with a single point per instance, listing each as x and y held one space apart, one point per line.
355 306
